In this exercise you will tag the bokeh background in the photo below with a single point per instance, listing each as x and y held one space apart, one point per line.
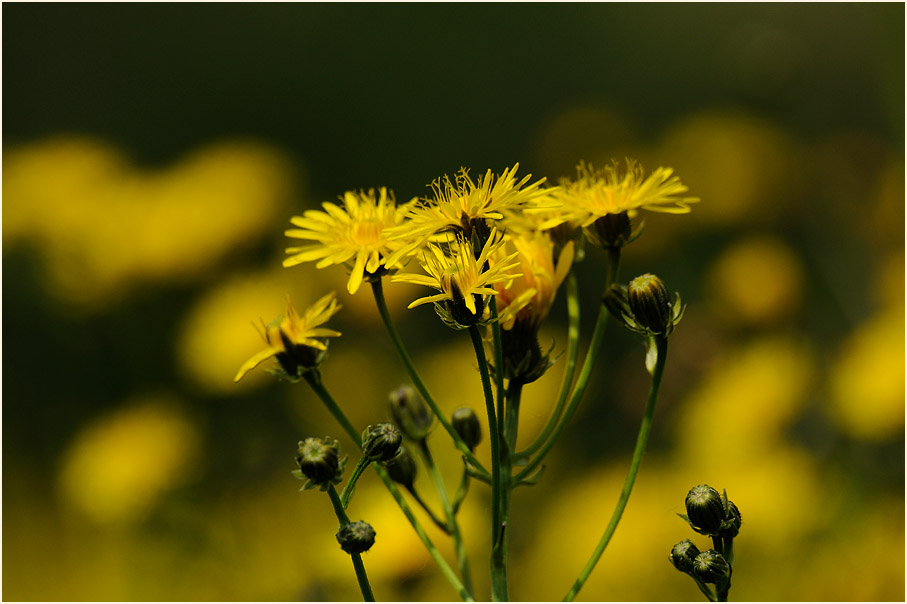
153 154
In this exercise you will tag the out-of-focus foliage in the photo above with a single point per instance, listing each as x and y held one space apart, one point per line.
139 253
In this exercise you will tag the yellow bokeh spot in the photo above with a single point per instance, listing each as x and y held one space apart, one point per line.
102 224
755 281
867 381
121 463
753 392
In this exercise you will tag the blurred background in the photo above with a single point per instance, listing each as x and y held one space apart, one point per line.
154 153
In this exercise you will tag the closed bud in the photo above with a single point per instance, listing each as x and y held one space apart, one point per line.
319 460
410 413
381 442
711 567
732 521
683 554
467 426
705 509
402 468
651 304
356 537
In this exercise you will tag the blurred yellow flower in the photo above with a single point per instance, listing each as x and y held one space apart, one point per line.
867 379
357 232
529 297
613 189
120 464
292 337
459 275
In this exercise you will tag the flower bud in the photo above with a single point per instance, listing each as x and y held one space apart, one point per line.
381 442
683 554
610 231
319 460
705 509
730 528
410 413
711 567
356 537
402 468
651 304
467 426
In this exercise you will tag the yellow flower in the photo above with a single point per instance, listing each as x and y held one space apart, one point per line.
461 203
460 277
529 297
296 341
613 190
357 232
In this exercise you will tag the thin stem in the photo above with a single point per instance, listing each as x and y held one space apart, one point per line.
359 567
498 571
445 568
570 369
462 490
453 528
378 292
314 380
438 522
351 483
582 382
641 441
498 361
705 589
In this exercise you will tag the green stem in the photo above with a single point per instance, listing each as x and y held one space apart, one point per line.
569 371
445 568
378 292
357 558
498 360
351 483
582 382
462 490
438 522
498 569
705 589
314 380
453 528
645 428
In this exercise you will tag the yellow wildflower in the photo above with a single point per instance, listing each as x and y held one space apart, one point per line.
357 232
529 298
460 277
613 190
463 204
296 341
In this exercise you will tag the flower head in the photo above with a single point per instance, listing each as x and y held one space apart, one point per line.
357 233
296 341
614 189
461 276
464 205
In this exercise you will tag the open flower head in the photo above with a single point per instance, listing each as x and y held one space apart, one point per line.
356 233
296 341
529 297
462 204
614 189
461 277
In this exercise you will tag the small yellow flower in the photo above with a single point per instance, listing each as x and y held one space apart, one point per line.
295 340
458 204
358 232
529 297
459 275
613 189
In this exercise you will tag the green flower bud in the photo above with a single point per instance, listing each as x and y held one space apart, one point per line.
410 413
319 461
683 554
705 509
402 468
711 567
467 426
610 231
381 442
356 537
651 304
730 528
